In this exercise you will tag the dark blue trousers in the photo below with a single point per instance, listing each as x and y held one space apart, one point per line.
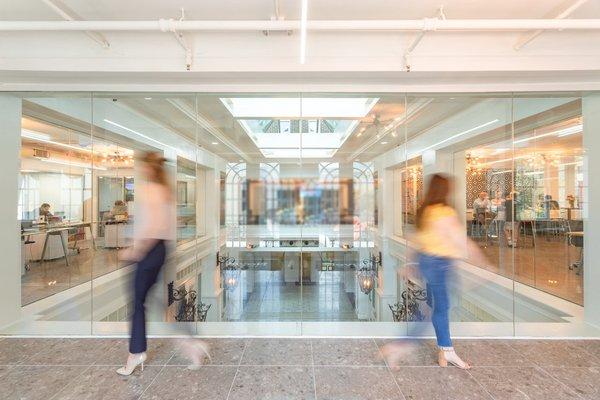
145 277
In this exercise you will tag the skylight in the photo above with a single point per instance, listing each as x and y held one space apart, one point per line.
283 107
299 127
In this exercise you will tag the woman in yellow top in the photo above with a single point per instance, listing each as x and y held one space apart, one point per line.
442 240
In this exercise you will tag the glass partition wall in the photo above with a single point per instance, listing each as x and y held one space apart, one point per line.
295 212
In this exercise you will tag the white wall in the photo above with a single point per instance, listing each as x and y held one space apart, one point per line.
10 244
591 222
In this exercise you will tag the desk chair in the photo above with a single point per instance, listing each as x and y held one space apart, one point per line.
575 241
27 243
528 230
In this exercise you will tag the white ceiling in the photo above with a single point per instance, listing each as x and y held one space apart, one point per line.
290 9
254 52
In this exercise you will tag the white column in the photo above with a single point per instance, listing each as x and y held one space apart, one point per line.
459 195
591 215
10 242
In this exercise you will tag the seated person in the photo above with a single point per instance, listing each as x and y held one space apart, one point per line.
550 205
45 213
481 205
482 202
119 210
512 225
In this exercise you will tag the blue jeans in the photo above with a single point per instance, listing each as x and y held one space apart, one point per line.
437 271
145 277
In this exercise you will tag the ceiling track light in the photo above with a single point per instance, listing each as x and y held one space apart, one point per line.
303 28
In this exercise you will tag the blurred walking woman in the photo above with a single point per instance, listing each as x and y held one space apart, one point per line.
442 241
154 227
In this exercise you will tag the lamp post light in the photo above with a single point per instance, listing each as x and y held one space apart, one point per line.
230 272
368 273
366 280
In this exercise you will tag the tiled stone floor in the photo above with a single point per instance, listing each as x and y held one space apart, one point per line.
290 369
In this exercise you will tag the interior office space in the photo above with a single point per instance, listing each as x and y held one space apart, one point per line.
295 212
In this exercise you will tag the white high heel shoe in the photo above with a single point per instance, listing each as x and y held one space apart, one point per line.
448 355
132 363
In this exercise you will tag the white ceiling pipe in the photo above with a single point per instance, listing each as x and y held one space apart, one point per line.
427 24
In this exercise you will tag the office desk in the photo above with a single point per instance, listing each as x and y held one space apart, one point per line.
51 241
117 234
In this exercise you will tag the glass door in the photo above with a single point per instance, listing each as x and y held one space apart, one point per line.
467 138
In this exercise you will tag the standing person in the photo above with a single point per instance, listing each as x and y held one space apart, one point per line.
154 228
512 227
441 240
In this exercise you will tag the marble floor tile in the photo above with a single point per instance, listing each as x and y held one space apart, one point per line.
35 382
178 383
71 352
590 346
527 383
490 353
555 353
273 383
355 383
160 351
277 352
346 352
222 352
103 383
409 352
584 381
19 351
435 383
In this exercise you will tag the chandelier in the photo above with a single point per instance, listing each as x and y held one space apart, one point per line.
117 158
474 166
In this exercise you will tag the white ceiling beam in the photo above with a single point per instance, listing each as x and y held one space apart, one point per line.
562 11
427 24
208 126
69 15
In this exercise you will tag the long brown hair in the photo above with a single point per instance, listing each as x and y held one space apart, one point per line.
437 193
156 163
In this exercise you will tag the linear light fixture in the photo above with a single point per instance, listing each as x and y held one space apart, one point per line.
40 137
303 27
504 160
460 134
560 133
135 132
34 135
506 171
70 164
572 163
